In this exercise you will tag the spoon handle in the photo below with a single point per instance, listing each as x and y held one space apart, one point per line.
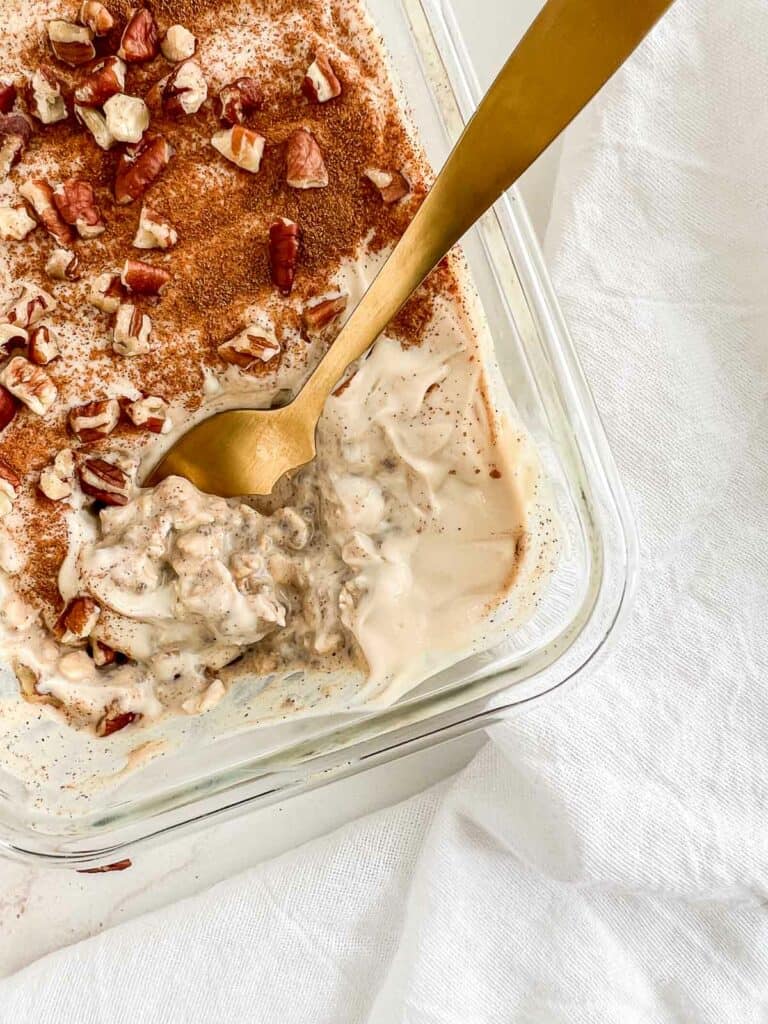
571 49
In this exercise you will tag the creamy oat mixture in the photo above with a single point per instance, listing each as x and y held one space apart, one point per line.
193 198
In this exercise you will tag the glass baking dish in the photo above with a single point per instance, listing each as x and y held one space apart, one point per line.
208 774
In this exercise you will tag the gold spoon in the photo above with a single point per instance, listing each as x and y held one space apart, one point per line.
571 49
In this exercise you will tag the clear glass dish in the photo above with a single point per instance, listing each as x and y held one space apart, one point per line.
211 775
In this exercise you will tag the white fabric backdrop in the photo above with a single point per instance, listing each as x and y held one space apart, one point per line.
605 858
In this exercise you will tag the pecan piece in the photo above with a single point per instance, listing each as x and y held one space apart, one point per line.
94 420
103 81
106 293
320 82
30 384
15 133
39 195
140 166
305 167
104 481
144 278
12 337
43 345
8 408
96 17
132 332
320 317
63 265
283 253
154 232
185 90
10 481
108 725
150 413
140 38
57 479
44 97
102 653
392 185
29 306
96 124
242 146
127 117
7 96
71 44
77 620
76 203
15 223
237 100
257 343
178 44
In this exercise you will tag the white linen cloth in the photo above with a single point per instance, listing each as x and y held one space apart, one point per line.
605 858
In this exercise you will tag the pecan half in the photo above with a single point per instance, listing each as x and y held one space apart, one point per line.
94 420
57 479
71 44
8 408
178 44
43 345
185 90
154 231
63 265
132 332
139 42
7 96
96 17
108 725
103 81
104 481
29 307
237 100
392 185
320 317
15 223
320 82
76 621
76 203
256 343
150 413
30 384
106 293
15 133
44 97
242 146
283 253
39 195
305 167
144 278
96 124
139 166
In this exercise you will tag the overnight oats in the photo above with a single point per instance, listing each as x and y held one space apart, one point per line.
194 197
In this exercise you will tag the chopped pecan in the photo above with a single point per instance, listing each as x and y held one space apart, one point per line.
8 408
94 420
257 343
15 223
140 166
15 133
114 723
178 44
305 167
43 345
320 317
7 96
185 89
72 44
104 481
10 481
102 653
132 332
154 232
57 479
127 117
150 413
320 82
12 337
144 278
283 253
106 293
237 100
103 81
392 185
242 146
140 38
96 17
76 203
30 384
30 306
44 97
96 124
119 865
39 195
63 265
76 621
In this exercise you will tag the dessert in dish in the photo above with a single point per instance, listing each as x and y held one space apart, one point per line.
195 198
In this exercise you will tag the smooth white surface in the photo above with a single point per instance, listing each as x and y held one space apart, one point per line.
43 909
